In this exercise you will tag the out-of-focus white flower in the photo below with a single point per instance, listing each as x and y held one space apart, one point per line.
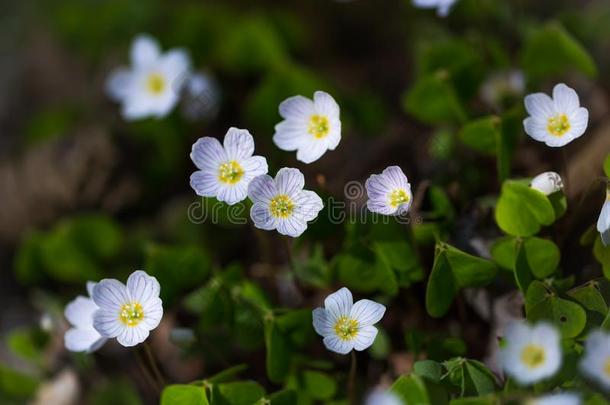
547 183
555 121
501 86
595 363
201 97
151 86
225 172
389 193
309 127
282 204
531 353
383 397
345 325
82 336
556 399
442 6
603 222
128 312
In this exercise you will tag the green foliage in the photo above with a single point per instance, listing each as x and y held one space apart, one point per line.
432 99
452 271
551 51
15 385
607 166
184 395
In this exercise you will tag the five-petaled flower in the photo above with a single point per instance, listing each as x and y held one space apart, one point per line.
282 204
442 6
345 325
225 172
389 193
603 222
555 121
596 361
82 336
128 312
531 353
151 86
309 127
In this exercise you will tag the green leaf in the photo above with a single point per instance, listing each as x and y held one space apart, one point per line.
411 389
602 254
542 303
552 51
429 369
15 385
28 343
360 268
453 270
522 211
432 100
284 397
319 385
28 264
227 374
541 256
241 392
482 134
607 166
486 400
180 394
479 377
279 357
313 269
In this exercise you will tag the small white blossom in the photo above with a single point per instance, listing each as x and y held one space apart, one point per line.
383 397
345 325
556 399
531 353
82 337
389 193
309 127
547 183
128 312
603 222
282 204
151 86
442 6
225 172
595 363
555 121
501 86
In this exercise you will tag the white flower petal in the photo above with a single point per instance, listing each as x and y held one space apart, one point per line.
262 189
207 154
90 285
365 337
367 312
321 323
565 99
296 108
311 151
144 51
176 63
110 294
338 304
153 313
536 128
289 135
142 287
289 181
291 226
333 343
79 312
117 84
309 205
325 104
382 397
254 166
381 207
557 399
238 144
205 184
83 340
107 323
596 357
539 105
396 177
232 193
579 120
547 183
132 336
262 218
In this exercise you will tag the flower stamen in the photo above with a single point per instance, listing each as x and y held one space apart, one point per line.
346 328
281 206
155 83
533 356
318 126
398 197
131 314
558 125
230 172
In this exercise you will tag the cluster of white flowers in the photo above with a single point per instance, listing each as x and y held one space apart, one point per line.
114 310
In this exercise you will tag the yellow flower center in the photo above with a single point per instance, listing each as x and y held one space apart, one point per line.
346 328
155 83
533 356
281 206
131 314
398 197
318 126
230 172
558 125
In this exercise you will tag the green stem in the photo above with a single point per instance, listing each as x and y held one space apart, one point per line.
351 383
153 365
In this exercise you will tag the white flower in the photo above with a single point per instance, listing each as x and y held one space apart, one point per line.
225 172
345 325
151 86
547 183
82 337
383 397
557 121
128 312
502 85
603 222
442 6
531 353
556 399
389 192
282 203
596 361
309 127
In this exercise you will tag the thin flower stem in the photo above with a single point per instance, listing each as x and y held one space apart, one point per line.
153 365
564 168
288 247
148 377
351 383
